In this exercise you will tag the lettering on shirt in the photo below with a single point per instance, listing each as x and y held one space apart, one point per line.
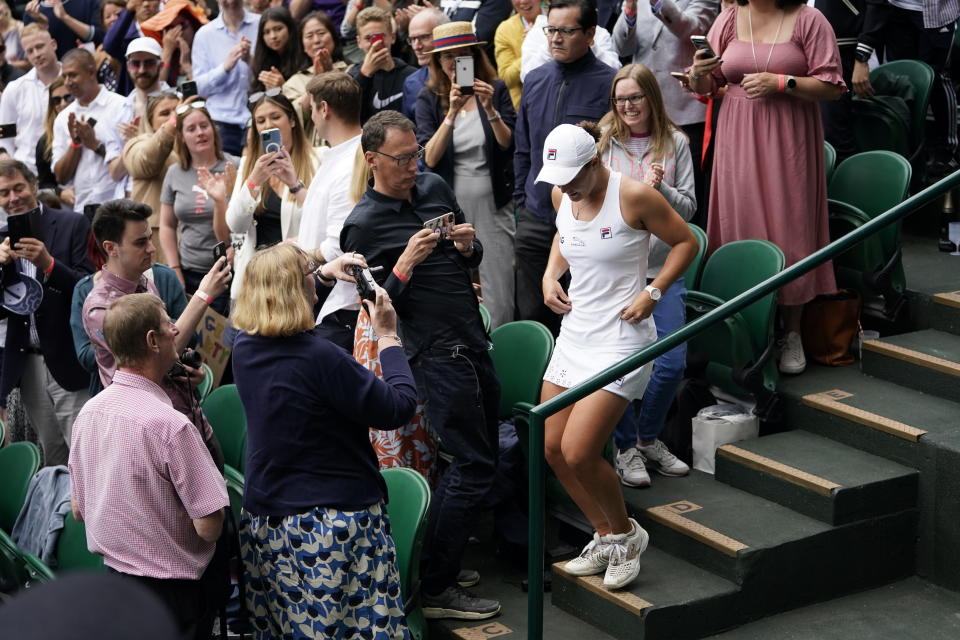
200 200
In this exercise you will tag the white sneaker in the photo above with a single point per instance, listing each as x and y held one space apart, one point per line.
592 560
624 564
792 360
631 469
659 457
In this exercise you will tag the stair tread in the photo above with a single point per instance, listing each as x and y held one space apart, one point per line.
932 342
825 458
921 410
736 514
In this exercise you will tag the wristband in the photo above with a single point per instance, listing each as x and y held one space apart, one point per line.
781 83
295 190
49 269
75 145
392 336
166 65
203 295
400 276
322 277
253 186
448 122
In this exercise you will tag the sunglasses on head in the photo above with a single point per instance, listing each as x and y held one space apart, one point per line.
260 95
196 104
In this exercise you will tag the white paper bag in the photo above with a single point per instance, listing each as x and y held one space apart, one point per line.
718 425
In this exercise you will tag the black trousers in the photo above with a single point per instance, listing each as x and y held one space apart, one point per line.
187 602
532 245
838 114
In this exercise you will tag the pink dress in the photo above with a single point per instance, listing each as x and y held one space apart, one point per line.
768 169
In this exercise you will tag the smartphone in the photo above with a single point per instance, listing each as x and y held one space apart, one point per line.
375 38
271 140
90 211
679 75
464 74
8 130
700 42
92 122
25 225
220 251
443 224
188 89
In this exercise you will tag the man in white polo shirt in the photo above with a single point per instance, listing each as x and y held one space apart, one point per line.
24 101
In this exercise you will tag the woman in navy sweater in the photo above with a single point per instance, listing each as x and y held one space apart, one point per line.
315 536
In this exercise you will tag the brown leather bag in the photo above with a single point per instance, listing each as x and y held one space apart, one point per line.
830 323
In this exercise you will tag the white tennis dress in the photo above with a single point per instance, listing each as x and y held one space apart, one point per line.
608 266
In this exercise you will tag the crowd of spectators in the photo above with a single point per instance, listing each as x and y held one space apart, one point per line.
309 137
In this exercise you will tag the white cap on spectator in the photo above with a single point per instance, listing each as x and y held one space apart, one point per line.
144 45
566 150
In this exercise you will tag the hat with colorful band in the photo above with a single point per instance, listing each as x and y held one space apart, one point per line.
453 35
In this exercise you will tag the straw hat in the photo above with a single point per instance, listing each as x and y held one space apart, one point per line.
454 35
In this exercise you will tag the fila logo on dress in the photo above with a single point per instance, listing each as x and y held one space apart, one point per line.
606 233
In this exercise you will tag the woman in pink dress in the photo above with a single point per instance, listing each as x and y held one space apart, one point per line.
778 59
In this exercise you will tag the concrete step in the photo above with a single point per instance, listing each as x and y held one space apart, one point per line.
926 360
671 599
873 415
779 557
938 310
818 477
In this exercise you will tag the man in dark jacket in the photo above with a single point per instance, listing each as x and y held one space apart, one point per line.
846 18
38 355
574 86
381 76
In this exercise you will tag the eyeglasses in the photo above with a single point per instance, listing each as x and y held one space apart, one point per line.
634 100
66 99
404 160
425 39
196 104
260 95
146 63
566 32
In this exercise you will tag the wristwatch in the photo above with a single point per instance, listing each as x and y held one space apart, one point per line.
296 189
655 294
791 83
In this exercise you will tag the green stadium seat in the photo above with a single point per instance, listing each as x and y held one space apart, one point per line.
226 416
691 277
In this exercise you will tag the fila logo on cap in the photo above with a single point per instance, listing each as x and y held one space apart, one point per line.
551 154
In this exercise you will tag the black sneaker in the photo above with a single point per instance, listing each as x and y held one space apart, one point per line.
468 578
457 602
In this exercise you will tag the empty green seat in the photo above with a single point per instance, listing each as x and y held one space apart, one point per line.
226 416
18 463
485 314
206 385
691 277
72 552
829 159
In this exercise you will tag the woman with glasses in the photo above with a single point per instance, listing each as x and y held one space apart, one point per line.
59 98
640 141
193 198
314 533
277 55
149 154
468 141
266 203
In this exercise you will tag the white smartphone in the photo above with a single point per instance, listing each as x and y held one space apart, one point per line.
443 224
464 74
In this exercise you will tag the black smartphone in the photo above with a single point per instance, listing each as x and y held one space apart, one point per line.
700 42
90 211
25 225
92 122
220 251
188 89
8 130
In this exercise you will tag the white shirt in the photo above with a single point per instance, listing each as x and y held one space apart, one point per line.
24 102
536 50
92 181
325 209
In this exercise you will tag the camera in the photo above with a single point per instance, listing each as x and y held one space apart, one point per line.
190 358
366 285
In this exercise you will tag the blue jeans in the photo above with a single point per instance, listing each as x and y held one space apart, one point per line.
462 397
669 315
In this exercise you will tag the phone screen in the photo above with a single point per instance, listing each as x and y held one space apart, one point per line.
24 225
219 250
271 140
188 89
465 74
8 130
700 42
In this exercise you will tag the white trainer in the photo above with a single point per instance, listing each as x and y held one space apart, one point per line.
592 560
792 360
659 458
624 564
631 469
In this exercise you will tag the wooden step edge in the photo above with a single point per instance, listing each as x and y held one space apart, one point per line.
827 401
488 629
772 467
624 599
949 299
669 516
913 357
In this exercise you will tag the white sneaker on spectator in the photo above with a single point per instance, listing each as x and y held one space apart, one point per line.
625 553
792 360
631 469
658 457
592 560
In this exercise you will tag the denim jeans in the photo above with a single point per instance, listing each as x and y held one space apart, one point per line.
462 395
669 315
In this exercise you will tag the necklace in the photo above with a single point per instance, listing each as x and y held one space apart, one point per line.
753 47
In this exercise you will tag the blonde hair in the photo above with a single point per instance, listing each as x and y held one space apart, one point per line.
360 177
375 14
33 29
661 127
271 301
51 116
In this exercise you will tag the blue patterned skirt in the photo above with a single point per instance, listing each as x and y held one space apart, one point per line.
322 574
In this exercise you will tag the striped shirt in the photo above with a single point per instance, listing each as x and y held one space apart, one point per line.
140 475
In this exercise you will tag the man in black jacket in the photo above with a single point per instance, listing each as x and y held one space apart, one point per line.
38 355
381 76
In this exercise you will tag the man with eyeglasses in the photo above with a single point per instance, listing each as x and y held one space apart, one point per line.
428 277
573 86
24 101
537 49
143 65
420 36
87 148
381 75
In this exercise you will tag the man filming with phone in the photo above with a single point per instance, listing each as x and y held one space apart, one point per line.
381 76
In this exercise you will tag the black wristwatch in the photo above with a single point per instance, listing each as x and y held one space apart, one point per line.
295 190
791 83
101 150
863 53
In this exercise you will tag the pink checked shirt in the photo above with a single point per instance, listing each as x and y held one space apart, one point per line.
140 474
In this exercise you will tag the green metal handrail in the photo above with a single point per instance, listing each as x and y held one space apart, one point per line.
649 353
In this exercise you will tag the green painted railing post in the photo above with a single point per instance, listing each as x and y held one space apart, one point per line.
649 353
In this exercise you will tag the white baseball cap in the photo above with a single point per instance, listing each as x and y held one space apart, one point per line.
567 149
144 45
